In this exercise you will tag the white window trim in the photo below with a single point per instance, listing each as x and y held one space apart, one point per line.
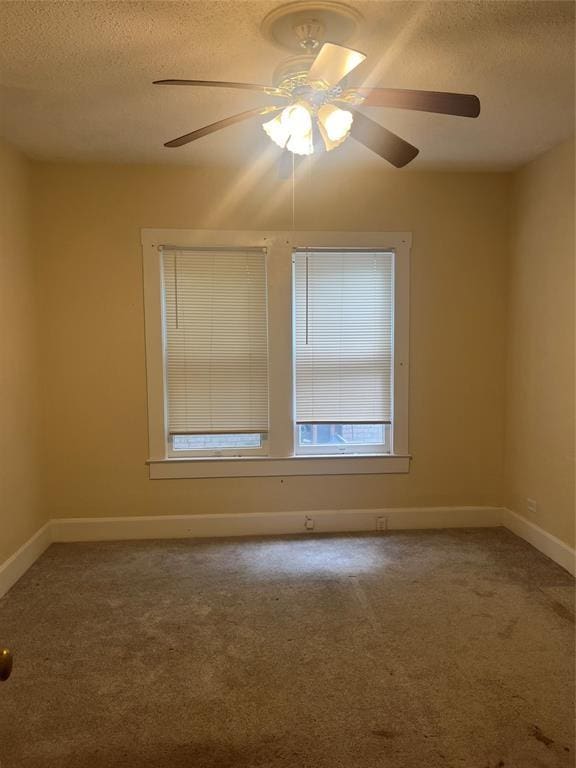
280 460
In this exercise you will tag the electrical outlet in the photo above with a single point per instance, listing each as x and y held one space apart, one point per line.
531 506
381 523
309 523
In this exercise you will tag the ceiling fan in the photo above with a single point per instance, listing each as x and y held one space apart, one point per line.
316 110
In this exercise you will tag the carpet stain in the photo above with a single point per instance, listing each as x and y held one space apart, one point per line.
539 736
508 630
385 734
562 611
481 593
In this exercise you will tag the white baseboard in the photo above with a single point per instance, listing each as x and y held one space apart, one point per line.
548 544
270 524
264 524
23 558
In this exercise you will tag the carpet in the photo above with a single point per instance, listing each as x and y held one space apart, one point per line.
420 649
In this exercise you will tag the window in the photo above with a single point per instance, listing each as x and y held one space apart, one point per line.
215 350
276 353
343 331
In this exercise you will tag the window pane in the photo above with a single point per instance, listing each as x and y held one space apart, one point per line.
341 434
214 442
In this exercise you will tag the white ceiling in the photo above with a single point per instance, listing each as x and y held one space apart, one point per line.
76 78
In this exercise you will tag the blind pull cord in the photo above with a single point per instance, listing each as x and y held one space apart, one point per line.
176 318
307 296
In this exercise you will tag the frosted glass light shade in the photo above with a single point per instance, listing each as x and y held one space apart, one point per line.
292 129
334 124
277 131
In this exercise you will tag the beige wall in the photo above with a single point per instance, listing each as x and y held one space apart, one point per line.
20 511
540 372
491 251
88 220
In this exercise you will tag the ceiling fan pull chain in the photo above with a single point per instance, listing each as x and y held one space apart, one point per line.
293 192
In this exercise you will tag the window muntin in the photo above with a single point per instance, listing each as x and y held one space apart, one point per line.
343 350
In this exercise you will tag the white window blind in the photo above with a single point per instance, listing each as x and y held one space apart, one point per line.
343 336
215 341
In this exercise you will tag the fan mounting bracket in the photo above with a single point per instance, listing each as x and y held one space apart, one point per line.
304 26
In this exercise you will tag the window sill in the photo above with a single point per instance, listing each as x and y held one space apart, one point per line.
247 466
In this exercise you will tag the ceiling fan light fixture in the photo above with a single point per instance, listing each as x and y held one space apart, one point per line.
334 124
292 129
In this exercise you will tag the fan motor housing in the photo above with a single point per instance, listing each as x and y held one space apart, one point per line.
292 71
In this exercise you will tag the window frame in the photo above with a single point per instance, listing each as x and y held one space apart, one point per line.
281 458
236 452
354 449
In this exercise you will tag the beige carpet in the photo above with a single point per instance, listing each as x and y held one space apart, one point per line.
448 649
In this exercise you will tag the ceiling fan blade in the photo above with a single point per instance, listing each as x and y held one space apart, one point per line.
217 126
460 104
268 89
332 64
382 141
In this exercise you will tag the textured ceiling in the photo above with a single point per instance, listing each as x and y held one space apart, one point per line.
75 78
